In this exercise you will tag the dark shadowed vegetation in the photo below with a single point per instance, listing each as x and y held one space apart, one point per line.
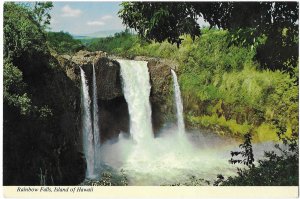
37 151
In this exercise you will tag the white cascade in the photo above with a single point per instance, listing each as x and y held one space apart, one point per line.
96 130
136 89
88 146
179 106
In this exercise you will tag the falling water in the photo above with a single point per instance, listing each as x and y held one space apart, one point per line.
179 106
136 88
167 159
88 146
96 122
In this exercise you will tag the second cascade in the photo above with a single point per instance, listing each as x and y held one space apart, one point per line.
90 128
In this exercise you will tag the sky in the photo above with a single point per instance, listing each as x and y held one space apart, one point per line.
81 18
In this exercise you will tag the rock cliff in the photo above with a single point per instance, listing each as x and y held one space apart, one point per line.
43 147
113 111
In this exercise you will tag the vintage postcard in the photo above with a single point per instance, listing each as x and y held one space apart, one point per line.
150 99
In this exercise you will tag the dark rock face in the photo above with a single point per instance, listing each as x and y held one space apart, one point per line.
66 98
113 110
45 149
114 118
161 96
107 72
108 79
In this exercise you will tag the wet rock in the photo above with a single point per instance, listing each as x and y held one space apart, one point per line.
109 87
161 96
107 72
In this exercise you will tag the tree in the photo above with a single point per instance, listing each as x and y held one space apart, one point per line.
161 21
63 42
246 153
24 39
276 168
41 13
247 22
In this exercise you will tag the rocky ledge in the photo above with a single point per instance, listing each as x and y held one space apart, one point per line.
113 109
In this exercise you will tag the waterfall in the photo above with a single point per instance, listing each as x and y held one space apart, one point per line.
88 146
96 122
179 106
136 89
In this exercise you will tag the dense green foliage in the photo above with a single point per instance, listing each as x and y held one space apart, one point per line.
247 22
222 87
22 34
14 88
161 21
24 41
120 43
63 43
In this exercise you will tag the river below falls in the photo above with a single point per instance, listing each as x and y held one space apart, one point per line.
171 158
